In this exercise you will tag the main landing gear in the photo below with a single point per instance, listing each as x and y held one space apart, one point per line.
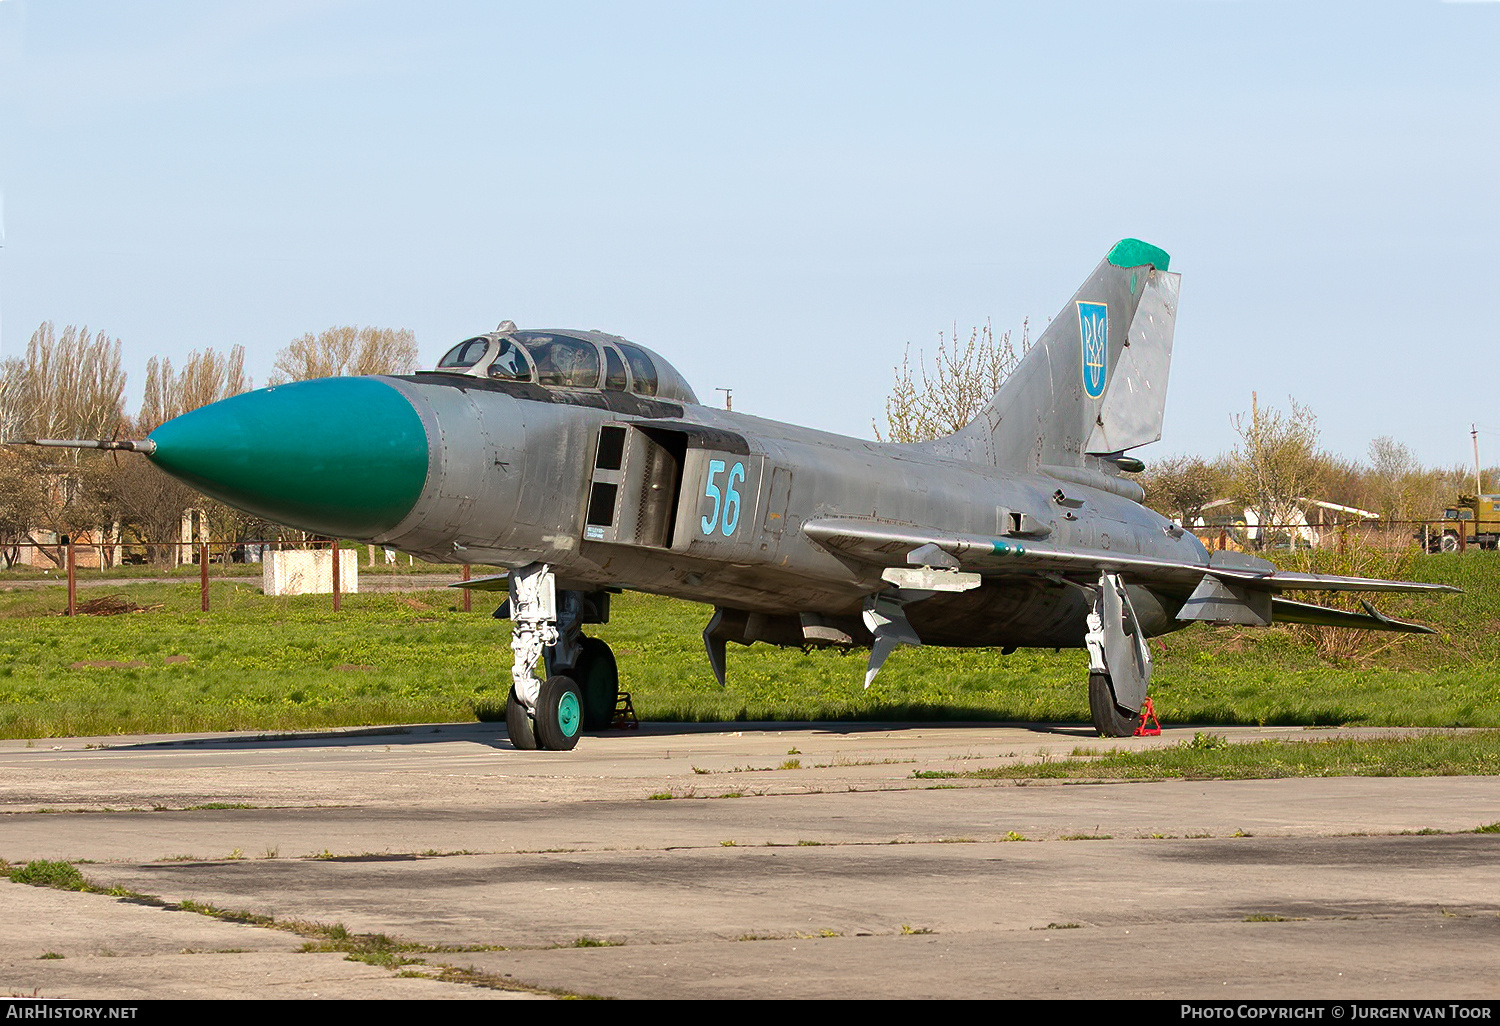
1119 660
1109 719
582 683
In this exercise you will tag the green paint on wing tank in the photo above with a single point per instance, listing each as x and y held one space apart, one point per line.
1134 253
337 456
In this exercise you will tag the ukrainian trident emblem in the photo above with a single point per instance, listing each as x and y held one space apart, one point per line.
1093 329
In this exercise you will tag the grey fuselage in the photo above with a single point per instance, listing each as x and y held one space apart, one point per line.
616 490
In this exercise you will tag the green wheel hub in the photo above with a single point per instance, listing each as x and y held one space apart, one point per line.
559 714
569 714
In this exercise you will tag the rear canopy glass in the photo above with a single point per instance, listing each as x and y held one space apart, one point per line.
641 368
614 370
562 360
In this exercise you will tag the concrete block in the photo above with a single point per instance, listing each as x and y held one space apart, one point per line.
308 572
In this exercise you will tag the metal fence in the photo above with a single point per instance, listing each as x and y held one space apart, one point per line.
70 558
1383 535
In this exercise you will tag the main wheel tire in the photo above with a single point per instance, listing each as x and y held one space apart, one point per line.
559 714
598 680
519 725
1109 719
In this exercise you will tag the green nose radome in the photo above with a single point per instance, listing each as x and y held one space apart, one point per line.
345 457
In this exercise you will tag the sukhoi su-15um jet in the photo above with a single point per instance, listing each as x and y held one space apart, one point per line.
584 464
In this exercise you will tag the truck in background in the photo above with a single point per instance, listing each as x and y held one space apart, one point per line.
1474 520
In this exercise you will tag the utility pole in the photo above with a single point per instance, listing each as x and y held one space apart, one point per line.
728 397
1478 481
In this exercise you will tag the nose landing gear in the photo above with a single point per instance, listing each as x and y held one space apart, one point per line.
583 682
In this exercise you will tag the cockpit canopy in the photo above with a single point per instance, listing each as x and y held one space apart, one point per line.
567 359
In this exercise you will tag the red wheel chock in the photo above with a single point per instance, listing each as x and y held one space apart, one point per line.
1149 726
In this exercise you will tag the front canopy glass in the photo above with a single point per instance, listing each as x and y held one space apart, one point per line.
466 354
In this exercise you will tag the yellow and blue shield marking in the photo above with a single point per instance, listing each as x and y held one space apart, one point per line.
1093 329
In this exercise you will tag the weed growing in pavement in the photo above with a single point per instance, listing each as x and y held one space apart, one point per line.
42 873
1211 757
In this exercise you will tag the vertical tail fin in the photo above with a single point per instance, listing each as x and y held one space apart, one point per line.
1095 382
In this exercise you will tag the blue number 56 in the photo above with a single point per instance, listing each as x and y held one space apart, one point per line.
726 502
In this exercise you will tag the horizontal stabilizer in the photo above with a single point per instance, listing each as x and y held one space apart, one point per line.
1287 611
1286 580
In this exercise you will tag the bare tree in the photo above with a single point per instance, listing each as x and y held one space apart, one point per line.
58 491
23 500
149 502
925 405
206 377
347 350
142 496
1181 486
158 401
1398 483
1342 480
1277 460
65 386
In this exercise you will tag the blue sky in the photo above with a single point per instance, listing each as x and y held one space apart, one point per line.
778 197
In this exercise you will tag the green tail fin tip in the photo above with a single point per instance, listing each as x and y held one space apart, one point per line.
1134 253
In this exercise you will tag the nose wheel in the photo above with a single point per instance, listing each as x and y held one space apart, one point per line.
518 724
559 714
557 722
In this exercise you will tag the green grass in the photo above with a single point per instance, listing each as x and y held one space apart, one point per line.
257 663
1475 753
62 875
251 663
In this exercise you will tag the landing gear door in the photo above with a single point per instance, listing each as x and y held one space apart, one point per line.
718 516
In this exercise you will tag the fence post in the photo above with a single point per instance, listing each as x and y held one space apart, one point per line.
468 598
72 581
203 574
336 593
